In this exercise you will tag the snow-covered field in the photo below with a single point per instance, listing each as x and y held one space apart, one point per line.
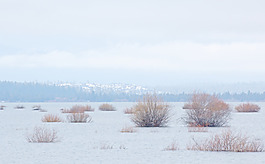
102 142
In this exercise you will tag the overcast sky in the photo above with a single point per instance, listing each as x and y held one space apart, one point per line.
147 42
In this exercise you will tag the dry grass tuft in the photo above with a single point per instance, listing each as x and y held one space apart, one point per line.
151 112
128 129
42 135
106 107
79 118
207 111
248 107
228 141
172 147
128 111
51 118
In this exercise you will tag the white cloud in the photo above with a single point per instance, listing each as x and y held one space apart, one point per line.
172 56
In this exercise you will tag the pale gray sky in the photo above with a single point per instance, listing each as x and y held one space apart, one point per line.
147 42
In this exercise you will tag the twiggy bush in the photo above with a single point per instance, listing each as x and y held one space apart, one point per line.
207 111
79 118
42 135
228 141
51 118
106 107
248 107
151 112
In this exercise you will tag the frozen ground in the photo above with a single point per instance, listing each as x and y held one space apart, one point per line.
83 142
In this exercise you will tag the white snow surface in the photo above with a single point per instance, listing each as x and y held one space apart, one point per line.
81 143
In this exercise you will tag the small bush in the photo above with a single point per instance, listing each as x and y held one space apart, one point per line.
151 112
207 111
128 129
51 118
248 107
42 135
106 107
78 109
228 141
79 118
128 111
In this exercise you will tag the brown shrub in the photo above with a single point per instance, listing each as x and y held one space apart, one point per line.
51 118
78 109
128 129
128 111
151 112
42 135
228 141
207 110
248 107
79 118
106 107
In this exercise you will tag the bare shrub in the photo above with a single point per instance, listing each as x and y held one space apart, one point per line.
172 147
79 118
51 118
207 110
247 107
78 109
106 107
228 141
42 135
151 112
128 111
128 129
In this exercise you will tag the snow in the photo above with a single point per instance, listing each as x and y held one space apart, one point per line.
116 87
82 142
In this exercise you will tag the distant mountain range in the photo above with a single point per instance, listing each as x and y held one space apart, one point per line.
73 92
